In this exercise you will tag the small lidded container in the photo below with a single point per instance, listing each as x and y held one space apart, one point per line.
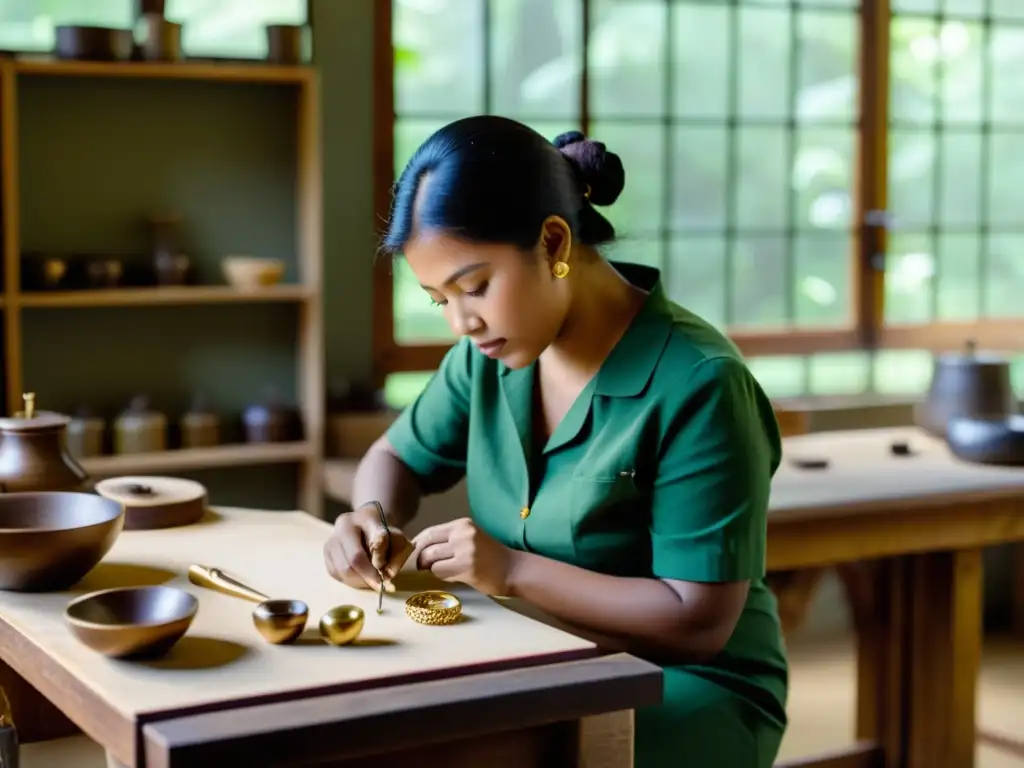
270 422
140 429
85 434
200 427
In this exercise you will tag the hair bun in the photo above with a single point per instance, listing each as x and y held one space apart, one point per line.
594 165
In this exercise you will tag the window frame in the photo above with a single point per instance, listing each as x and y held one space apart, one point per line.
867 331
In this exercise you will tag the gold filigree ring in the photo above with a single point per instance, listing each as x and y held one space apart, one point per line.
433 608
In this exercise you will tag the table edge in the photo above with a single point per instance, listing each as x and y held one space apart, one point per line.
896 530
784 515
406 716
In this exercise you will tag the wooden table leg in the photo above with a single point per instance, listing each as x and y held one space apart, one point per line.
1017 589
35 717
944 638
877 595
10 751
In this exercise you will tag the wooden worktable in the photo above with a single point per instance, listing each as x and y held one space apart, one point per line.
397 669
906 534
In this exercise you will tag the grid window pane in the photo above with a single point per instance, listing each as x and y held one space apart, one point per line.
698 276
1005 167
811 3
909 277
917 6
1004 275
626 57
959 276
1007 10
822 275
827 77
779 196
960 168
1005 67
536 58
962 75
744 166
912 164
824 173
439 57
703 60
765 52
760 281
638 211
965 9
700 178
915 47
761 190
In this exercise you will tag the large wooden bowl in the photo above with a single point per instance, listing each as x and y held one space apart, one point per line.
50 540
132 621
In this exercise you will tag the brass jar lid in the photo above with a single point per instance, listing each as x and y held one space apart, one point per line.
433 608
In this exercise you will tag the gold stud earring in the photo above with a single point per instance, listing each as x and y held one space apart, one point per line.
560 269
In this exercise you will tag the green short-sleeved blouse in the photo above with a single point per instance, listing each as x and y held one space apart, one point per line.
660 469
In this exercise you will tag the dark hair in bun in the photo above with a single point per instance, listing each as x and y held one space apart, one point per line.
600 170
490 179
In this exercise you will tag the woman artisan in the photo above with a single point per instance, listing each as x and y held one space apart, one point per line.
617 451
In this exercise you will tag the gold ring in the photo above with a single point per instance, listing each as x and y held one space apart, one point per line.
433 608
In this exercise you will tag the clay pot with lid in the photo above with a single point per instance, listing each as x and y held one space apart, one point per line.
966 384
34 454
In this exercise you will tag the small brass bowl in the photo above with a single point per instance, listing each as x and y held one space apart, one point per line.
433 608
132 621
342 624
280 621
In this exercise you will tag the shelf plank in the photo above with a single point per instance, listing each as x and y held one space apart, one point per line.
182 295
199 458
257 72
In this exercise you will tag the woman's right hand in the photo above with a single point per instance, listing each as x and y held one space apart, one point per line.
358 548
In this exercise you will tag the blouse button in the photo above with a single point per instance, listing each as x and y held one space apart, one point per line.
524 513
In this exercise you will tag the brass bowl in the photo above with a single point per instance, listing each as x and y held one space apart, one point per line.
132 621
434 608
49 540
342 624
280 621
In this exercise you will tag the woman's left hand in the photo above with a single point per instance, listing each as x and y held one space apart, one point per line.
459 551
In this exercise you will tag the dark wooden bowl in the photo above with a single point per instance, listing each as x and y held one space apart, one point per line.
50 540
130 622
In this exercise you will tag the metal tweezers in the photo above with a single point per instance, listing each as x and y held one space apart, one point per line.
387 555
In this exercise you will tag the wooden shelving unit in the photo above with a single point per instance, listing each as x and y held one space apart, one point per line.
303 293
140 297
200 458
